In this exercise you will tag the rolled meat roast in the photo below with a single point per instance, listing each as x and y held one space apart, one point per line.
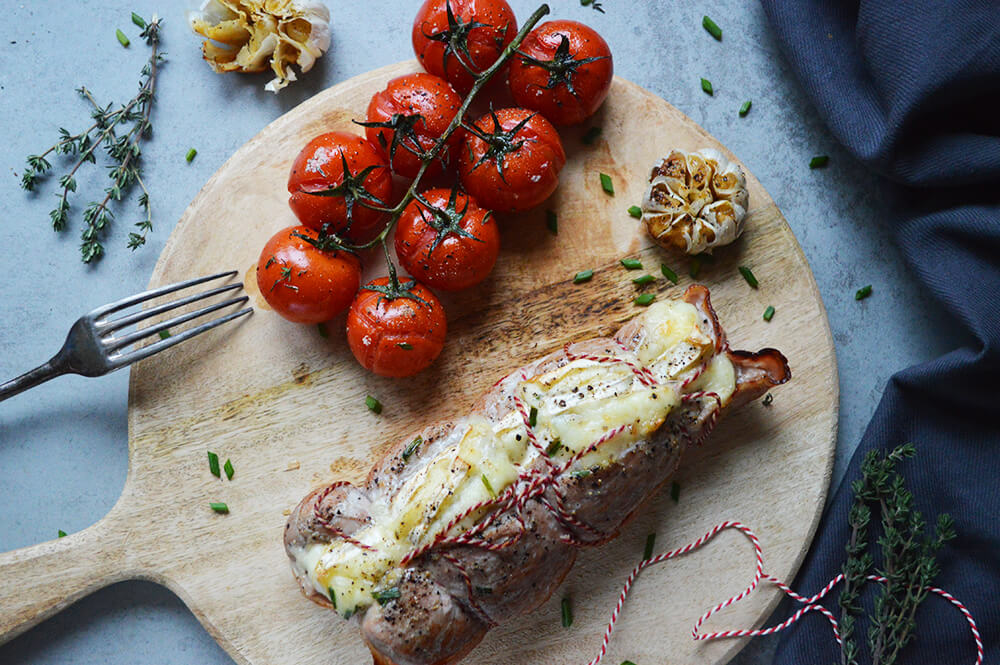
472 522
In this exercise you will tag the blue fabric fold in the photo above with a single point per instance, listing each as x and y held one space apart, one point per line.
912 90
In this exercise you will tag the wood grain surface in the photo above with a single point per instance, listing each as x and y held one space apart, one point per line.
287 406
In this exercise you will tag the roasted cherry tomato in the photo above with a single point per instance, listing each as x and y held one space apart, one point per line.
446 240
396 334
330 178
511 160
448 33
409 116
563 70
305 284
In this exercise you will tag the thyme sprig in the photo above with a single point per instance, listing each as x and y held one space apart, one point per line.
908 553
396 288
119 132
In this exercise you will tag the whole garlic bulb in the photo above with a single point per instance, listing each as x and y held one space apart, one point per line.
252 35
696 201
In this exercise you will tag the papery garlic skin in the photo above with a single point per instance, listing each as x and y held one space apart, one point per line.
696 201
252 35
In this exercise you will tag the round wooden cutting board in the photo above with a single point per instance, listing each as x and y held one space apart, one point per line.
287 406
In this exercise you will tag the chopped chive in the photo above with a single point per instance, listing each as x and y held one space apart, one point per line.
62 534
818 162
567 613
706 85
748 276
228 468
768 399
635 211
190 155
745 108
333 596
675 492
627 662
122 39
486 483
385 596
412 448
591 135
712 28
668 273
863 292
219 507
552 222
138 20
322 330
583 276
213 464
768 313
607 185
164 334
582 473
373 404
632 264
695 267
533 417
644 280
647 553
406 346
348 614
645 299
553 448
483 590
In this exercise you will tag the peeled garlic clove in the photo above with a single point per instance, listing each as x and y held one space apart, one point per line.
696 201
252 35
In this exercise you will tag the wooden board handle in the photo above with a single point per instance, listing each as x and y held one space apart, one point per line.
40 580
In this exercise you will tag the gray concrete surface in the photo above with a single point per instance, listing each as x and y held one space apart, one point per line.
63 446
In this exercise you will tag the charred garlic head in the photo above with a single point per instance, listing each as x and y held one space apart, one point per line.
696 201
252 35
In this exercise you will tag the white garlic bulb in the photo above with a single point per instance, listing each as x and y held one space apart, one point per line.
252 35
696 201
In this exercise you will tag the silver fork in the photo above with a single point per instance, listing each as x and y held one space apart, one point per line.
92 349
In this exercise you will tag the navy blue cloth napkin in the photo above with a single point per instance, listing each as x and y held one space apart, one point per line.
912 89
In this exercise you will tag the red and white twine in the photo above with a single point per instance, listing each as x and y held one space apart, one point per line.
810 603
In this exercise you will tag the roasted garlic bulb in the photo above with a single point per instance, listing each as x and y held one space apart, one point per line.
250 35
696 201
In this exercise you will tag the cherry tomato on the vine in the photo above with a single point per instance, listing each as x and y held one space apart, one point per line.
446 240
305 284
408 117
511 160
563 70
396 333
330 179
448 33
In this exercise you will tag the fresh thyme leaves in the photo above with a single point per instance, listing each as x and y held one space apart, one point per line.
908 559
220 508
592 4
119 132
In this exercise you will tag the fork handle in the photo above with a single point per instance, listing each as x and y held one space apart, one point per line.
52 368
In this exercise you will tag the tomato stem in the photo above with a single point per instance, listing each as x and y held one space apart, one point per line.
429 156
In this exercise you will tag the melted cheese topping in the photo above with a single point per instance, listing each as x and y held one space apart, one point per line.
575 404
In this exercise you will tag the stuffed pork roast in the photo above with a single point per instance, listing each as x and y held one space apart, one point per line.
472 522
